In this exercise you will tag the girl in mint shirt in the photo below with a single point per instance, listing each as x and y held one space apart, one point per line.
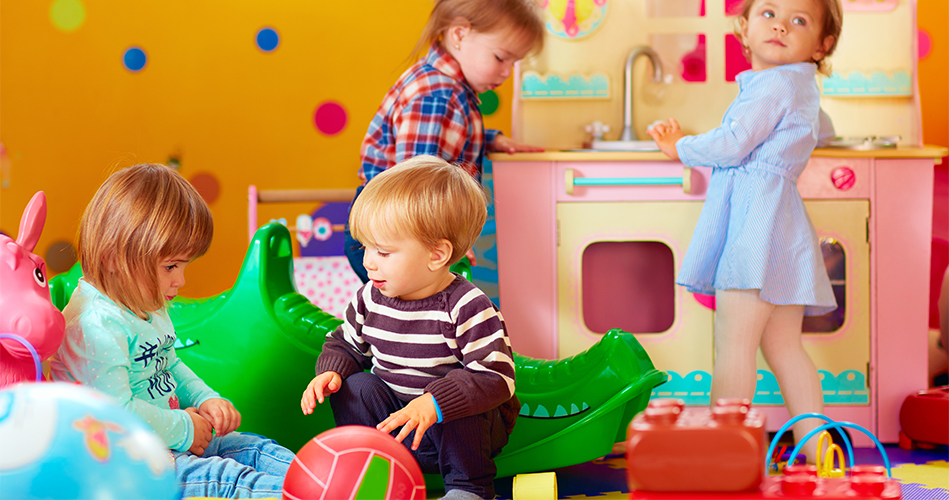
754 245
141 229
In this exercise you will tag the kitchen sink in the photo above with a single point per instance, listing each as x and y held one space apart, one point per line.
624 145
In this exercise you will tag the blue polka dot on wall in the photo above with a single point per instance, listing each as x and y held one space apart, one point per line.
267 39
134 59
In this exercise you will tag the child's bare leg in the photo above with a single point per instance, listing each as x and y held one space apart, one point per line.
792 366
740 320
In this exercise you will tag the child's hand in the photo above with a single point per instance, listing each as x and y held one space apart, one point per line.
321 386
222 415
666 134
419 414
471 257
505 144
202 432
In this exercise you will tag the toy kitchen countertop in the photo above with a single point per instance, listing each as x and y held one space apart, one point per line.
934 152
590 240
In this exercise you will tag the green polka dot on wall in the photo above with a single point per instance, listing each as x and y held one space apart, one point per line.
67 15
489 102
60 257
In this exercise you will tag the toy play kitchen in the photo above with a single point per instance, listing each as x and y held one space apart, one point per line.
591 233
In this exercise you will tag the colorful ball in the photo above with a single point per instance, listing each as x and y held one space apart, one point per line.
65 441
354 461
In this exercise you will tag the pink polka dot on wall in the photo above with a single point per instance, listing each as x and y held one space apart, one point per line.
925 44
330 118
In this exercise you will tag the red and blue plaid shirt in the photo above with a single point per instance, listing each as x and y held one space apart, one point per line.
431 110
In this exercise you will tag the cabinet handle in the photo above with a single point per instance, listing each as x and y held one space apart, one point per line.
686 181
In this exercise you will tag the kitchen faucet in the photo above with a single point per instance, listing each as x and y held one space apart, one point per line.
628 133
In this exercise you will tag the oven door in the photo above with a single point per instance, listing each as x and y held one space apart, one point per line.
616 268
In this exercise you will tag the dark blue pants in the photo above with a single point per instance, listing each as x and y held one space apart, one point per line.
352 248
461 450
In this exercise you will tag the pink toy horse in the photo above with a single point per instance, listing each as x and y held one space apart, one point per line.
25 306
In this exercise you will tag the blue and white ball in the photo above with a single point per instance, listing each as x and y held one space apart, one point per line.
65 441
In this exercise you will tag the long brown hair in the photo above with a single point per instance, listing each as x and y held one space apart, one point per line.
484 16
139 216
833 24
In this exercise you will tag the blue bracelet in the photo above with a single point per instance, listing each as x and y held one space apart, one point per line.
438 411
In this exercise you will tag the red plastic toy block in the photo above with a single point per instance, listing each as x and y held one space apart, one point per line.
799 483
670 448
924 418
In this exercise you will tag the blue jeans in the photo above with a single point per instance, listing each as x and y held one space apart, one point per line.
353 249
238 465
461 450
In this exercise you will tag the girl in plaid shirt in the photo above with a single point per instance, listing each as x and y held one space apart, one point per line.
433 108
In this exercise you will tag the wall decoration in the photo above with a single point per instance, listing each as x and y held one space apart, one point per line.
858 84
573 18
67 15
925 43
489 102
207 186
330 118
60 257
554 86
4 167
267 39
134 59
869 5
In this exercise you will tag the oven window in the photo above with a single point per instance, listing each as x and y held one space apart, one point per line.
836 262
628 285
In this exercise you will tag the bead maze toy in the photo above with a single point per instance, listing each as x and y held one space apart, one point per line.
673 453
257 344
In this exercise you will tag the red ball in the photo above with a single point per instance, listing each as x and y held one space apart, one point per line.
353 460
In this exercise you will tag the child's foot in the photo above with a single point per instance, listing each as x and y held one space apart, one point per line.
460 495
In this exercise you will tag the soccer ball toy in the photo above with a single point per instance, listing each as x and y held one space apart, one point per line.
354 461
65 441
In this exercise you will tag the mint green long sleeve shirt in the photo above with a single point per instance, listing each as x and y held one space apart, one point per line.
111 349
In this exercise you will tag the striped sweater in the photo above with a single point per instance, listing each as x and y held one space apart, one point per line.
453 345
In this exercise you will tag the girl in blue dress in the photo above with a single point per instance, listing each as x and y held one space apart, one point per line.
754 246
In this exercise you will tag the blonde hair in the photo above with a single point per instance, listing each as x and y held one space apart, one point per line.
426 198
833 25
140 216
484 16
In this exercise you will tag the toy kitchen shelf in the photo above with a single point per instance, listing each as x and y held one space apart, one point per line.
581 250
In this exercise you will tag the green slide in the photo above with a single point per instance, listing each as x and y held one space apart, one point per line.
257 345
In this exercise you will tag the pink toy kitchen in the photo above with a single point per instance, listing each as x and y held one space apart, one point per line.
591 233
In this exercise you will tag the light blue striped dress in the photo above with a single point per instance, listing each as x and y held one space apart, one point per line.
754 231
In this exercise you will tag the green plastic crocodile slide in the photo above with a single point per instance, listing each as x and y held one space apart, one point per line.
257 345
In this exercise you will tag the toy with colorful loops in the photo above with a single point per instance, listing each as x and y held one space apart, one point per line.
719 453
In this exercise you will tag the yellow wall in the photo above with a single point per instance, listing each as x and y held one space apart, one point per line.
71 112
933 17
